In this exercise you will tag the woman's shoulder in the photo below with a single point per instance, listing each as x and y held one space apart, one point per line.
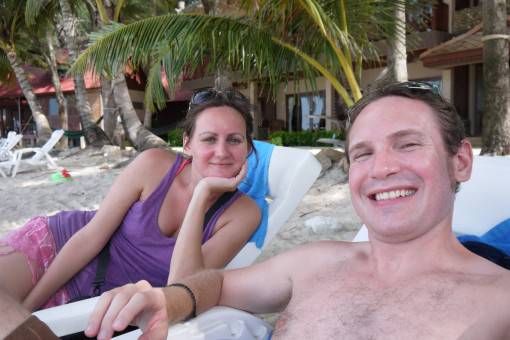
246 203
155 158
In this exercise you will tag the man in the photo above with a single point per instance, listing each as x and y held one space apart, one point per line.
413 280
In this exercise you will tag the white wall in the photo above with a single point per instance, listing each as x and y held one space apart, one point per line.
415 71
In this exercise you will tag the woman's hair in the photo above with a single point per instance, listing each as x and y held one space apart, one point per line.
211 97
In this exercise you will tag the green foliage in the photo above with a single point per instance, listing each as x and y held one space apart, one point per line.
302 138
175 137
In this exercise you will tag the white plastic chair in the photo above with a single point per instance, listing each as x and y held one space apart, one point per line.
291 173
7 157
41 155
482 202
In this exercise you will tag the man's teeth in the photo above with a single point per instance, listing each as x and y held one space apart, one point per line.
388 195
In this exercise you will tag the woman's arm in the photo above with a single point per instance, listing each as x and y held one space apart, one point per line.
83 246
237 224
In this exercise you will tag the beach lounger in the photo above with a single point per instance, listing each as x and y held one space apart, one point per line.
291 172
333 141
41 156
7 157
482 202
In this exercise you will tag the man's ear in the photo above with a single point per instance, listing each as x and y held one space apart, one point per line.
463 161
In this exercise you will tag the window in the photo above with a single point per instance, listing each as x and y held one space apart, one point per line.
306 111
52 107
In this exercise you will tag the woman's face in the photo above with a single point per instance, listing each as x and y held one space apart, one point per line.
219 144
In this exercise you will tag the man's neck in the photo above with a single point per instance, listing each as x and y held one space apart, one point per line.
435 251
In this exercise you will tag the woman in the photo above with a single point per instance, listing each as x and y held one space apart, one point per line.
52 260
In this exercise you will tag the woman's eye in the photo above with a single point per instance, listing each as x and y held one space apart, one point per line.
209 140
235 140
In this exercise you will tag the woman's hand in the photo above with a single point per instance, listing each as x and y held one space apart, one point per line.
220 184
138 304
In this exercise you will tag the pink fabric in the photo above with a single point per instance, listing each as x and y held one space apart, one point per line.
35 241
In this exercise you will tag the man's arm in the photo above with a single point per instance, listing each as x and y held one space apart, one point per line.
264 287
153 309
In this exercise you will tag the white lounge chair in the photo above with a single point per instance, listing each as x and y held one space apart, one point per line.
291 173
40 155
7 158
482 202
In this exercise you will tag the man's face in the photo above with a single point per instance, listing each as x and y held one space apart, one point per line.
400 175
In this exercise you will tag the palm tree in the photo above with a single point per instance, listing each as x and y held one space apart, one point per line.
396 60
496 77
273 40
51 60
15 41
139 136
94 135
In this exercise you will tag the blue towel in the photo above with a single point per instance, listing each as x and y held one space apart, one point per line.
255 185
497 237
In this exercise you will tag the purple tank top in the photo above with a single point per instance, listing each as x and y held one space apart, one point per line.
138 250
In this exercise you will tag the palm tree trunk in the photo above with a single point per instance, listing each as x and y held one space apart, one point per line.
110 111
396 60
41 122
147 119
496 77
61 100
94 135
139 136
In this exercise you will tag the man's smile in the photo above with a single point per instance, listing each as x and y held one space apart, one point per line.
392 194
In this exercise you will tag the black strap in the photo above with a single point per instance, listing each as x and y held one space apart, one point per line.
102 265
104 255
217 205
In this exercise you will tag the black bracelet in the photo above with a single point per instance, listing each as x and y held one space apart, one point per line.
193 313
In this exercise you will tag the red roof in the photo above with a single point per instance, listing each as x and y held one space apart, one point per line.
41 83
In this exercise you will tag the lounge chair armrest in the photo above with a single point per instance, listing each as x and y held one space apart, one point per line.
68 319
217 323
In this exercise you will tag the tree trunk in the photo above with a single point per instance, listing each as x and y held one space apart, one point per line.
139 136
222 80
496 78
41 122
110 111
61 100
147 119
396 59
94 135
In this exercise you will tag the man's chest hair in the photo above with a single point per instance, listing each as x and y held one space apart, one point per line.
416 307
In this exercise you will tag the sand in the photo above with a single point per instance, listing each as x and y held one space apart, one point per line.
324 213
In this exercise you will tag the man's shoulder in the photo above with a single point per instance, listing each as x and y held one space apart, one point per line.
323 252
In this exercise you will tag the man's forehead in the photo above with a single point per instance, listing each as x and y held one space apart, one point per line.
394 113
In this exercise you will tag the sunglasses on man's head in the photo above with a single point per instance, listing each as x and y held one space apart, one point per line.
204 95
416 86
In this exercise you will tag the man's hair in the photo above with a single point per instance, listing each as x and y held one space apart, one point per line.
450 124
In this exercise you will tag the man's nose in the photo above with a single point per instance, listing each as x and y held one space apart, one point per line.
384 164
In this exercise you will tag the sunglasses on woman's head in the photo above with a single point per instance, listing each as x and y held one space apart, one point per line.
204 95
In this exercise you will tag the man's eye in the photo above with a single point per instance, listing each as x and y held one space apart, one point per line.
359 157
410 146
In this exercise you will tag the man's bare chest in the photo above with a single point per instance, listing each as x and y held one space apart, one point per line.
355 309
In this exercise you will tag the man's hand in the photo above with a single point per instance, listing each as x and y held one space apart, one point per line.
138 304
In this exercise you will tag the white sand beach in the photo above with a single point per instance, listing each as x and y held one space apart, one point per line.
324 213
